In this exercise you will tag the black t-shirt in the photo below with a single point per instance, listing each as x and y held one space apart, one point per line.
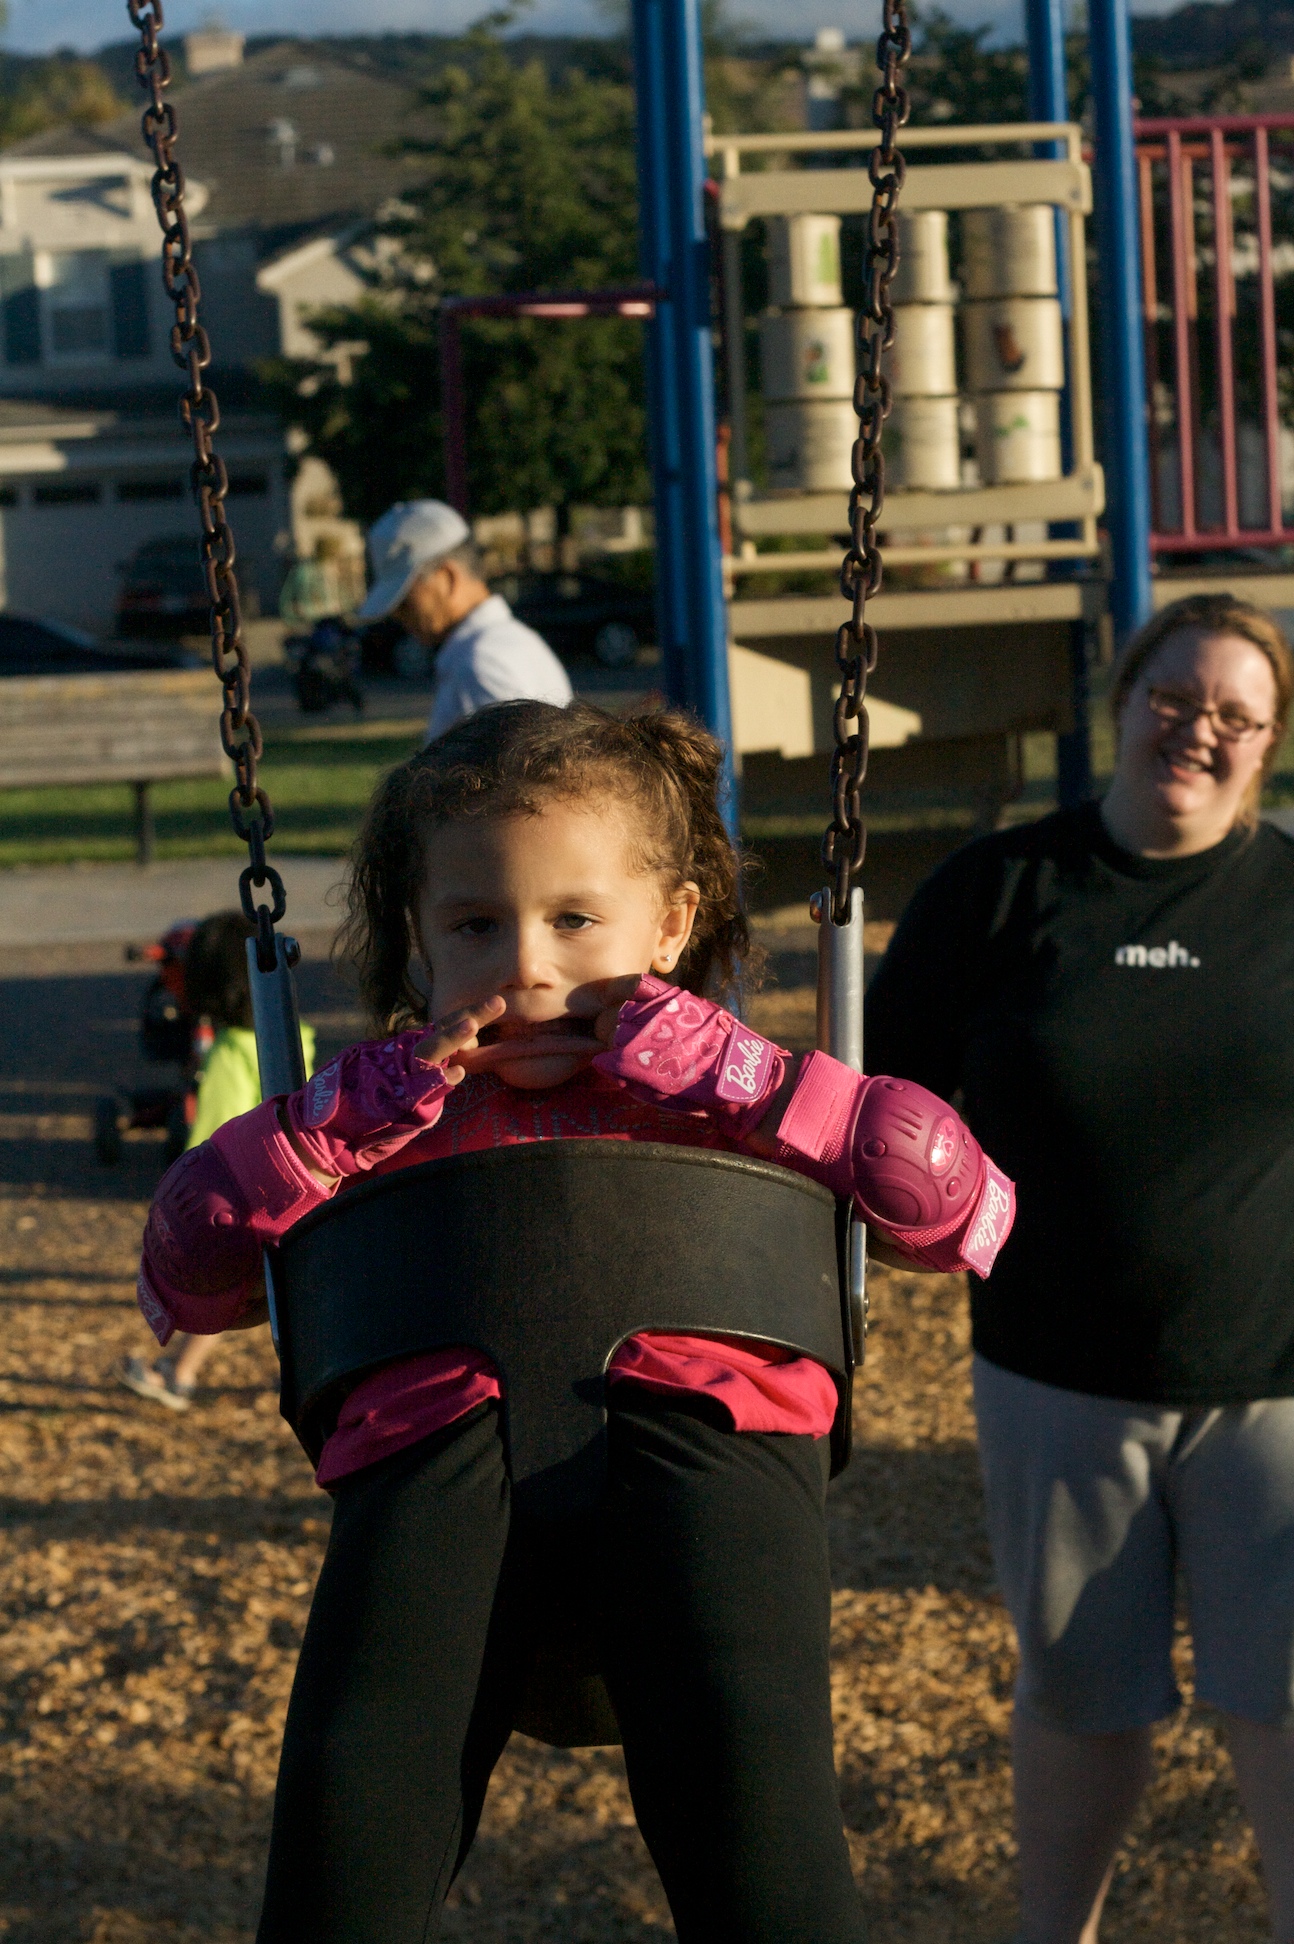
1121 1030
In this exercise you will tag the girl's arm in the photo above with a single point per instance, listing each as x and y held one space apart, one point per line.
223 1202
914 1168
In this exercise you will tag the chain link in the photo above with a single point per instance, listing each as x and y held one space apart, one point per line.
845 841
240 733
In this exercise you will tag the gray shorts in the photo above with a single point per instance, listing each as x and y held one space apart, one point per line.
1094 1505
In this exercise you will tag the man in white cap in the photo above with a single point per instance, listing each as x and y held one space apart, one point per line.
427 573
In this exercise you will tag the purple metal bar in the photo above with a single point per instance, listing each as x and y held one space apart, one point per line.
1215 540
1150 322
634 300
1162 137
1205 124
1224 305
453 409
630 300
1267 331
1180 216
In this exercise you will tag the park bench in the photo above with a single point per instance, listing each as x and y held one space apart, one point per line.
131 727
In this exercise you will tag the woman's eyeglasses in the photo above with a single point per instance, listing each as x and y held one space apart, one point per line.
1228 721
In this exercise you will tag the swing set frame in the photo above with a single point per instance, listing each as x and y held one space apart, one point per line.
675 301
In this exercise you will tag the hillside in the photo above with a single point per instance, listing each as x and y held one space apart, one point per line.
1201 35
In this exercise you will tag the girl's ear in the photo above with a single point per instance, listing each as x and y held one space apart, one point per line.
676 925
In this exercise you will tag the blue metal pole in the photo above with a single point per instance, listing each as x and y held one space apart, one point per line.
692 616
1045 28
1123 375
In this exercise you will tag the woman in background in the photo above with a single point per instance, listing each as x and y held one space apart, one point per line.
1112 991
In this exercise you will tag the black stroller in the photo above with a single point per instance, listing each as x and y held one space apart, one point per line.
170 1035
325 666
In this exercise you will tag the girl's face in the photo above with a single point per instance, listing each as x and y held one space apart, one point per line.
1192 738
548 912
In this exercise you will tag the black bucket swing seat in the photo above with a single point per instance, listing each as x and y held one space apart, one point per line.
547 1256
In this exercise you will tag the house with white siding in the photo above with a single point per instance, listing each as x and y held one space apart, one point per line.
287 162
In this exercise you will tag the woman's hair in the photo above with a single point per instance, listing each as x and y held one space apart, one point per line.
511 760
215 970
1213 614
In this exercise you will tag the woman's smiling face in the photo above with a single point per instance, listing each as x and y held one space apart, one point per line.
545 910
1180 780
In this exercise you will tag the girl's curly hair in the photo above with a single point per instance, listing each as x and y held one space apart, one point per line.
510 760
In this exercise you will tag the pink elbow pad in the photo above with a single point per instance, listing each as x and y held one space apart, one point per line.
220 1204
914 1168
213 1213
675 1049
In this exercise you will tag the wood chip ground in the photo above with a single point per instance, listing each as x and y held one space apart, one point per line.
156 1572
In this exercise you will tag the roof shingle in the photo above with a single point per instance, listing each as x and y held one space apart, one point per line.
335 165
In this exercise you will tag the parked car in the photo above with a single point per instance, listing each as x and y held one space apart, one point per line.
582 615
163 591
31 647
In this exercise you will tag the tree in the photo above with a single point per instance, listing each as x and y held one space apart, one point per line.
529 185
47 93
954 77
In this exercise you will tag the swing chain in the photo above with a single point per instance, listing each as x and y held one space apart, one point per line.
240 733
845 841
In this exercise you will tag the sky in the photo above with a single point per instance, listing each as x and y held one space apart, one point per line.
39 26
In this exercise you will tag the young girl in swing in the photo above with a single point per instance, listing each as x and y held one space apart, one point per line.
561 884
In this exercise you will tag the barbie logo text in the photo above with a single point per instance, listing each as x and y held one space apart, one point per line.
746 1063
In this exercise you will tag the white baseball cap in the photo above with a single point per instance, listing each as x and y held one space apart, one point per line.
411 536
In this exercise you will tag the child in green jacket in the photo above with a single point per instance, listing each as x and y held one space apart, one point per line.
229 1083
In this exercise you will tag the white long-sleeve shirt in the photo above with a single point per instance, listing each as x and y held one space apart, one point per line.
492 657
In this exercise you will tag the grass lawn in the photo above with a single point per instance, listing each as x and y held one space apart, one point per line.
319 777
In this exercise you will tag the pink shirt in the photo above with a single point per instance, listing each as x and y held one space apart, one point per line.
761 1388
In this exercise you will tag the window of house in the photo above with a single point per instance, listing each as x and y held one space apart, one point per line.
128 298
19 311
77 306
150 489
8 496
248 485
81 492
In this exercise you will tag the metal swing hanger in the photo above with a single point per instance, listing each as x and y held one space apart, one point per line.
845 842
270 957
838 909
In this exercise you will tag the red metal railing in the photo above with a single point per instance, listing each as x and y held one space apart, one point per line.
1205 185
639 300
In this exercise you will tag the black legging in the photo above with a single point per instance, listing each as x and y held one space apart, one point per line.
705 1581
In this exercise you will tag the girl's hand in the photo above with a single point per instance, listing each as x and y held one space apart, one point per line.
538 1053
611 995
457 1033
377 1097
676 1049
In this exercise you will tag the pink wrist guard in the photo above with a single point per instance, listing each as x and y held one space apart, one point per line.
674 1049
366 1104
914 1168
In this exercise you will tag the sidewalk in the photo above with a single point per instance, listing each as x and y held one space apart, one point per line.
118 904
121 904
